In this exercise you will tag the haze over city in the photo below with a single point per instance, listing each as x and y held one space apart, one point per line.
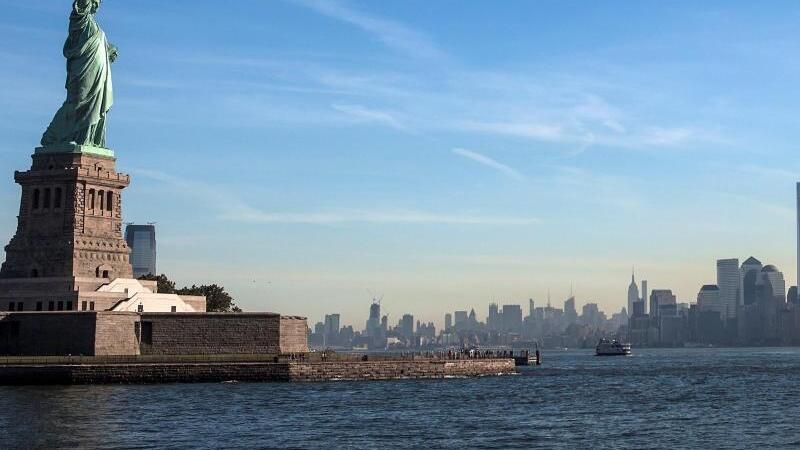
391 148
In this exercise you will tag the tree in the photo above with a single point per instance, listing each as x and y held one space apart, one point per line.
217 300
165 285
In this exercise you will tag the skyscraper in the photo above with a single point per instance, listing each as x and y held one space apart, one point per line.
797 280
331 329
770 286
142 241
644 295
512 319
729 281
633 294
709 299
494 322
448 322
750 272
407 326
373 327
659 298
570 313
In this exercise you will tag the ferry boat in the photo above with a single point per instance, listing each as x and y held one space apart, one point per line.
612 348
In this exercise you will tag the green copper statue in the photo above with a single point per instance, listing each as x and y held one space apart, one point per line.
82 118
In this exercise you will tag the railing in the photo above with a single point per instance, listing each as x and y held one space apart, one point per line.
313 357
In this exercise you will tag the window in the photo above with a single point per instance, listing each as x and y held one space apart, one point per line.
69 306
140 308
91 306
60 306
11 306
174 309
147 333
46 203
51 306
35 199
38 306
101 196
9 330
57 198
83 306
20 306
110 201
105 274
90 200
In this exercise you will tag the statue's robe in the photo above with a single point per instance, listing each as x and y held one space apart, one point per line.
81 119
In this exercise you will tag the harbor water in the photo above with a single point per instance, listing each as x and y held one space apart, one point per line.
657 398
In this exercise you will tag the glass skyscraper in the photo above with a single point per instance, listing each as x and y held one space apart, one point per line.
142 242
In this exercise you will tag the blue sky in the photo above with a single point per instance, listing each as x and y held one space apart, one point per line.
443 154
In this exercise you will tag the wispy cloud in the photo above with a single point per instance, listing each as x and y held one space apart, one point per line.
234 209
375 217
572 112
392 34
489 162
536 131
363 114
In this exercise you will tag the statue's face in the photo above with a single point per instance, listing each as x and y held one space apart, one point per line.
95 5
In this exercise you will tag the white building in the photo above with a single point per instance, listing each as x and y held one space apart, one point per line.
729 281
709 299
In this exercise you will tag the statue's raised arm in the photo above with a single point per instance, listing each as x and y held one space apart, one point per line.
82 118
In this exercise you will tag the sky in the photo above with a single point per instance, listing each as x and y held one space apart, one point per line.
311 154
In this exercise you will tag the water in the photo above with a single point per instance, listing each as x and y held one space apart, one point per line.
687 398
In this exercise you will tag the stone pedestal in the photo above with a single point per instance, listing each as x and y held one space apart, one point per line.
70 221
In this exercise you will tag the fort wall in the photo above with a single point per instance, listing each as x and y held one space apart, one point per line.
251 372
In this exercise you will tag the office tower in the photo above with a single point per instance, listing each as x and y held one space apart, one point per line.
791 295
494 322
638 309
710 299
644 294
633 293
531 307
473 319
141 240
385 323
570 313
659 298
798 235
331 329
407 326
770 286
591 314
512 319
448 322
750 272
373 327
460 318
729 282
771 298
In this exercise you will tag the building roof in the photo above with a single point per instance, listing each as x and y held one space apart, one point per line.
770 268
710 287
751 261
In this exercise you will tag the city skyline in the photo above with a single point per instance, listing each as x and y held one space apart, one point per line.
379 151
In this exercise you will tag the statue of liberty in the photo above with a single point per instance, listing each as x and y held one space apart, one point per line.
82 118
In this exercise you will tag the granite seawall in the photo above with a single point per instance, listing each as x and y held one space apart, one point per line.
213 372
